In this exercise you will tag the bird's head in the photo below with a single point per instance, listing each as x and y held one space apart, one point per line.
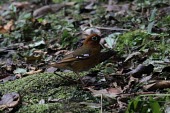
92 40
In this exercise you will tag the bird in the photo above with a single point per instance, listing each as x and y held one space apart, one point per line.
83 58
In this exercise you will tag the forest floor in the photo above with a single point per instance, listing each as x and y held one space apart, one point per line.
37 32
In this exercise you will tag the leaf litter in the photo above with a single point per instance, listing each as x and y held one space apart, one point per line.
136 49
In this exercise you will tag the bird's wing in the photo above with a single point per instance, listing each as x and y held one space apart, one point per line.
76 56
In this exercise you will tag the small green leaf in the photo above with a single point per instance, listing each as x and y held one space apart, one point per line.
135 102
28 15
13 8
112 39
20 71
153 14
150 26
155 107
36 44
151 20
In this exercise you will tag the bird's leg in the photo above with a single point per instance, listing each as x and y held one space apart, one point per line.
65 78
78 75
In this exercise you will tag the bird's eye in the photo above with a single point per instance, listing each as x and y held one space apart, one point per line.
94 38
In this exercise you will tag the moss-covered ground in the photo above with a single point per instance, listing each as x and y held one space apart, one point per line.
68 95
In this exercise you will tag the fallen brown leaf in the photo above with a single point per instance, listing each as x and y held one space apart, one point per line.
133 55
33 72
2 30
141 69
9 100
89 30
21 4
109 92
157 85
49 9
9 26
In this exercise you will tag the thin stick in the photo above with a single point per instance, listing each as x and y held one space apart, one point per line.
111 28
63 77
101 103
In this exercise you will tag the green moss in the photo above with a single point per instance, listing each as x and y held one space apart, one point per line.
56 108
164 22
33 88
131 40
141 40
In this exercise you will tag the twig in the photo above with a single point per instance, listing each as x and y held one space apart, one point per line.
137 94
111 28
101 103
65 78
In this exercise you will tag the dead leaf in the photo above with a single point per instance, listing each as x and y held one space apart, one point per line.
62 52
9 100
109 92
165 10
131 83
40 52
8 27
113 8
8 78
50 9
33 58
110 5
89 30
157 85
42 11
133 55
145 79
91 105
141 69
90 6
33 72
21 5
121 9
2 30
